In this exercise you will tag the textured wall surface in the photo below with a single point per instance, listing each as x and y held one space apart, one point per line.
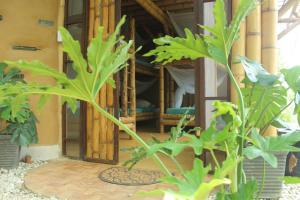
20 26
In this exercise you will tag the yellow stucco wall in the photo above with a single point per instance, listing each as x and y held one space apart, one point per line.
20 27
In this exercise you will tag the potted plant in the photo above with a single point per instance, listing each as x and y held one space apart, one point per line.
20 122
266 98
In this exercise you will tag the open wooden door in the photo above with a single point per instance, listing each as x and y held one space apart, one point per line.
102 135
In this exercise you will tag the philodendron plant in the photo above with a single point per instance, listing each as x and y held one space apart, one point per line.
16 112
105 59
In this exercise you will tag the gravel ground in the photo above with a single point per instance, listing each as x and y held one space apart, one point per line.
11 183
12 188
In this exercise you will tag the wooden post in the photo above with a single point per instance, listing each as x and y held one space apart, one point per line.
60 23
239 49
269 42
172 93
103 91
90 115
253 40
132 74
110 92
167 89
125 92
161 98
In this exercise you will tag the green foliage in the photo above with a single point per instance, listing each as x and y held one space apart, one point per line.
23 133
215 45
245 191
223 130
265 147
15 110
268 96
193 185
291 180
170 48
104 59
178 141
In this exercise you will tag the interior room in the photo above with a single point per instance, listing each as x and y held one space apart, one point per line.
152 97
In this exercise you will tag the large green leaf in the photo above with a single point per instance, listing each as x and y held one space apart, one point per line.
245 191
256 73
265 102
24 133
292 77
291 180
193 185
215 45
174 148
265 147
104 60
176 48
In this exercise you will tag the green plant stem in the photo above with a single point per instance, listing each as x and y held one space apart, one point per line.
262 181
242 127
214 157
180 169
133 135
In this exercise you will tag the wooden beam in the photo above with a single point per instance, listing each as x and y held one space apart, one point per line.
158 2
157 13
288 29
287 6
288 20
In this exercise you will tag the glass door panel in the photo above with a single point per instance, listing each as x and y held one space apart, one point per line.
74 123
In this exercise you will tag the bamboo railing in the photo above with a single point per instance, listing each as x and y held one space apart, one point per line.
128 96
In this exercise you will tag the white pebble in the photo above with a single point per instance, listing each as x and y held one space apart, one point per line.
12 183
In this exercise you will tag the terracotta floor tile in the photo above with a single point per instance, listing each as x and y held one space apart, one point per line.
76 180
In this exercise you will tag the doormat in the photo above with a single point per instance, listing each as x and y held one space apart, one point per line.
133 177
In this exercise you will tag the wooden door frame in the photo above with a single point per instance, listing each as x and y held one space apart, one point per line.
83 106
200 97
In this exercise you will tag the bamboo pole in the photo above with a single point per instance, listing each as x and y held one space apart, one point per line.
125 92
60 23
172 93
167 89
269 42
127 120
161 98
238 49
132 73
103 91
90 114
110 91
253 35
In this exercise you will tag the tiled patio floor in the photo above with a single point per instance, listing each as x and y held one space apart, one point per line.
78 180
